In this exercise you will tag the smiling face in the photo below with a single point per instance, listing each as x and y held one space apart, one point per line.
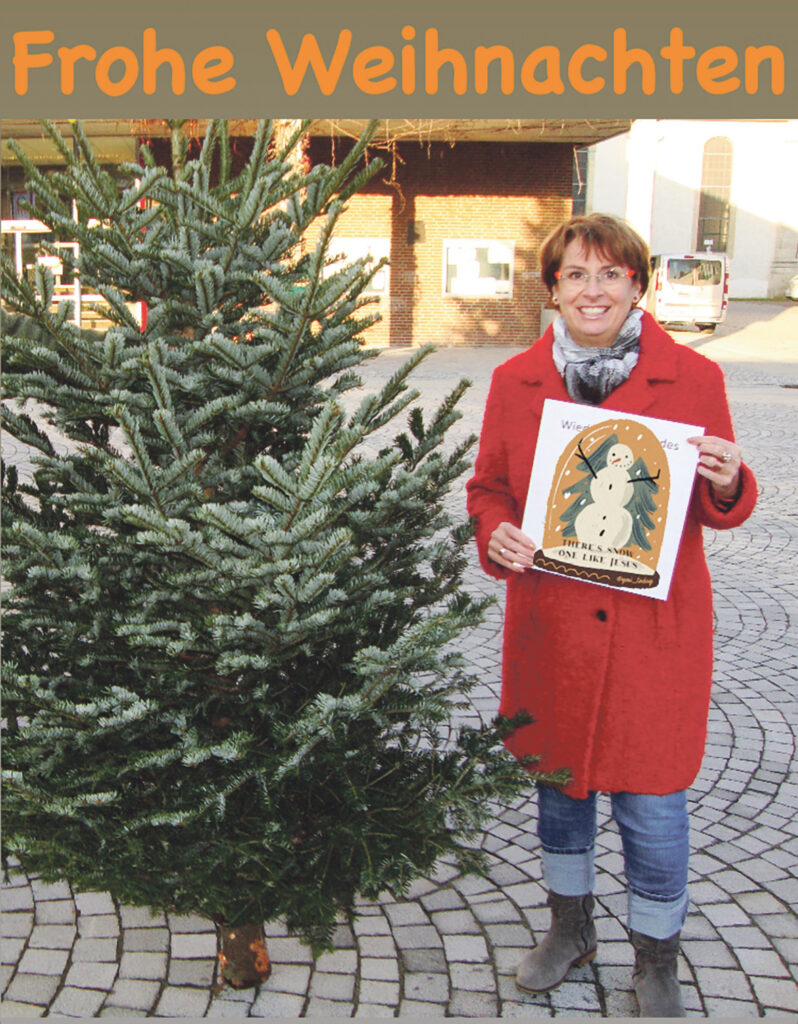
620 455
595 311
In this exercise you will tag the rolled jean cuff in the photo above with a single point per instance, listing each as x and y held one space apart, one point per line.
660 919
569 874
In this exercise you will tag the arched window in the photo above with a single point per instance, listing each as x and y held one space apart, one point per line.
715 202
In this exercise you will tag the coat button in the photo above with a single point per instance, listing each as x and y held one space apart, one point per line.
601 615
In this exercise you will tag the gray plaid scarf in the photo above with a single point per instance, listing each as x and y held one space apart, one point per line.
590 374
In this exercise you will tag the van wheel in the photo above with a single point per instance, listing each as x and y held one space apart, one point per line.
706 327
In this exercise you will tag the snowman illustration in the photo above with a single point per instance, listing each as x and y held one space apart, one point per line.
610 504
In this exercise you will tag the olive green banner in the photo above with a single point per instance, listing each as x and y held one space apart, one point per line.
416 58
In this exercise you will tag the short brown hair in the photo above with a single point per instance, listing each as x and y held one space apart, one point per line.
610 236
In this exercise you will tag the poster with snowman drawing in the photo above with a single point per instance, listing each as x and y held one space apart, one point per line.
608 495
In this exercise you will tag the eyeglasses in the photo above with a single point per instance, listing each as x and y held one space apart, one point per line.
612 277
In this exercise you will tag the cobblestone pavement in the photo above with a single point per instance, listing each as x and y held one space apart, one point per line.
451 946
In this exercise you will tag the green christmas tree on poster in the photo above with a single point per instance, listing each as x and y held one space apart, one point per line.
230 661
640 503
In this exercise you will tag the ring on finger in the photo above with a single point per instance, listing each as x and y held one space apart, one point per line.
502 552
725 457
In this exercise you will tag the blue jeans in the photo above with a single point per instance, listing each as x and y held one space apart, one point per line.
654 832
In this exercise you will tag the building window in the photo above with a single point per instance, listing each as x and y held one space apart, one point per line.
579 183
20 202
715 200
350 249
22 239
478 268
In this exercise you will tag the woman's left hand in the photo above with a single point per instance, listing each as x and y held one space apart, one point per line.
719 461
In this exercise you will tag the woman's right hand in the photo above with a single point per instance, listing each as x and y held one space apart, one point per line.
510 548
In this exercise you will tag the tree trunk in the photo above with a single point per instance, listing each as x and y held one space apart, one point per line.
243 958
283 129
179 146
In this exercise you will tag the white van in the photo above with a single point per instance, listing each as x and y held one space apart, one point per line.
689 288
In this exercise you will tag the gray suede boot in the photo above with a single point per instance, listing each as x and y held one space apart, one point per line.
655 979
571 940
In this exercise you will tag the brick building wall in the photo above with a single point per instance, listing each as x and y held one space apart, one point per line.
511 192
499 191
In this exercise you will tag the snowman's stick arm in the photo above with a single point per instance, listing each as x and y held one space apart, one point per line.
640 479
585 458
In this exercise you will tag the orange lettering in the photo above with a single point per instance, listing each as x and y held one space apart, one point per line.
408 62
434 59
309 54
550 56
152 58
24 59
369 63
587 52
69 56
483 57
712 65
622 60
208 65
677 53
129 75
754 55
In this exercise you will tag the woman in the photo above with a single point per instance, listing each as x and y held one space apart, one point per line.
618 683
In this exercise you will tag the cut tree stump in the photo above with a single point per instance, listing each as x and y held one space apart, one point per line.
243 958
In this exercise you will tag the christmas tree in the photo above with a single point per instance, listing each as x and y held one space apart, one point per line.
231 661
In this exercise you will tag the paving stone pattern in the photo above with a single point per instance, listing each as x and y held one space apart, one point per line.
450 948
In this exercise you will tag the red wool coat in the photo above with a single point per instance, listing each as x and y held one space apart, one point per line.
617 683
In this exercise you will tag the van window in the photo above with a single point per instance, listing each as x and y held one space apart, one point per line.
694 272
